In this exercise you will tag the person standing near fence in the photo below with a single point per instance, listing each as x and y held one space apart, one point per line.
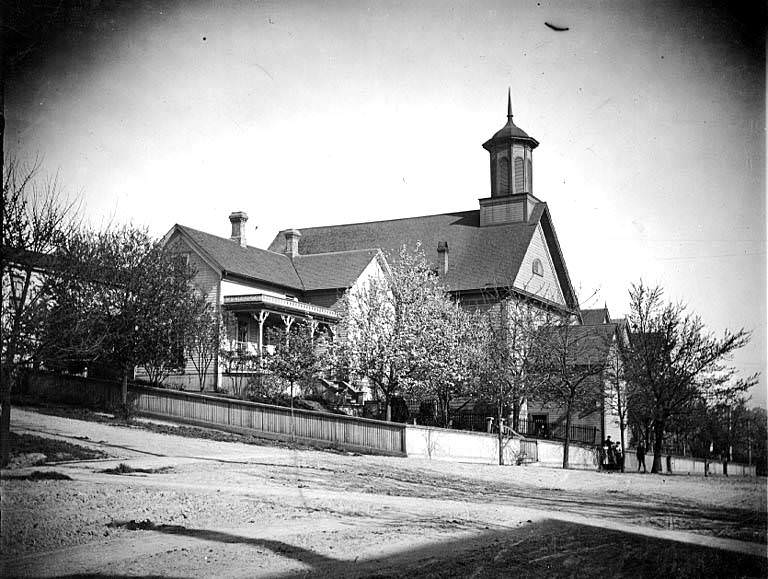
641 456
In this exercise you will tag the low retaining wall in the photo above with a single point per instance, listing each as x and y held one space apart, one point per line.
582 457
689 465
457 445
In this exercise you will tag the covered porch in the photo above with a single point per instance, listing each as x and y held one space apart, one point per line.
251 317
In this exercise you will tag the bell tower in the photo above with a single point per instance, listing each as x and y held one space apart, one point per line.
511 156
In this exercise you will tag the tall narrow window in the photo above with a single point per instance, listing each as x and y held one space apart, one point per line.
538 268
529 177
242 336
503 176
519 175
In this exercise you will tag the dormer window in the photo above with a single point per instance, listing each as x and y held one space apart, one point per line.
538 268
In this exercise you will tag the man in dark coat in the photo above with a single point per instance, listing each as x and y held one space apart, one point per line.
641 456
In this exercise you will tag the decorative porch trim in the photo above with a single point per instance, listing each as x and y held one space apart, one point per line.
280 306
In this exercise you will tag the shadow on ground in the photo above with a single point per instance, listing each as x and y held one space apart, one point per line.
549 548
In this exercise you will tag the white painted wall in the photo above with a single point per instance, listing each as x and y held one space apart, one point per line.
457 445
230 288
546 286
551 454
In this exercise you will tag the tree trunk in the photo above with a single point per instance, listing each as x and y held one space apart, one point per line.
567 440
515 413
622 427
124 388
658 441
447 412
293 421
5 419
499 411
388 412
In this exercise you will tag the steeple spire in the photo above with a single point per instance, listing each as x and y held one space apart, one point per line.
509 103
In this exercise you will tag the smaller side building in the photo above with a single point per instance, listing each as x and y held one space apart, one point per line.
598 341
256 289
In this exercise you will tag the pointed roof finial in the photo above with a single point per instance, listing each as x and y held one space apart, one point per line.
509 102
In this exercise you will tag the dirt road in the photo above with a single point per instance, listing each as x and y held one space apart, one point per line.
227 509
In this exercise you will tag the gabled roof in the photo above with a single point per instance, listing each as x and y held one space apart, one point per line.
584 344
310 272
478 257
595 317
249 262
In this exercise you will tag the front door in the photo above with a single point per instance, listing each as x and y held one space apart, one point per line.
539 424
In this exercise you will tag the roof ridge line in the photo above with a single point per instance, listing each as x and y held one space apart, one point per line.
374 249
384 220
227 239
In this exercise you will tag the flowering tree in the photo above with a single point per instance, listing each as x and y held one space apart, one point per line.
389 327
450 351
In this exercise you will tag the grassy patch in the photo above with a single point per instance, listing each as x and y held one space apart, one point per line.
41 475
123 468
54 450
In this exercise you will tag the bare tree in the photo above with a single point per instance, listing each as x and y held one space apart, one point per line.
616 386
296 358
511 342
673 361
202 336
36 218
572 362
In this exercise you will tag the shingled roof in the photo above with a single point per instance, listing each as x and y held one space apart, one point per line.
332 270
584 344
249 262
478 257
305 272
595 317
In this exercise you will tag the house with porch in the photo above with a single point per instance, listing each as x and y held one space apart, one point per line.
257 290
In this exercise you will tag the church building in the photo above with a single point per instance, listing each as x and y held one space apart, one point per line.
506 248
506 245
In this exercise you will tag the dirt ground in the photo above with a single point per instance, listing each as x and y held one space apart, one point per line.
225 509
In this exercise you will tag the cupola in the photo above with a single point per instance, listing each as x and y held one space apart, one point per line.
511 157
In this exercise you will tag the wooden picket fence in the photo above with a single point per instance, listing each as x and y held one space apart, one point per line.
337 430
264 420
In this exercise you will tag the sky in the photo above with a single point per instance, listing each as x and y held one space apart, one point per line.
650 117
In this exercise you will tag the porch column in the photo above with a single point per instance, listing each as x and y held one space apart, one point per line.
313 325
288 321
263 315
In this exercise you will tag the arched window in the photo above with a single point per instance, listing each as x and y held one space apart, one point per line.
530 176
538 268
503 176
519 175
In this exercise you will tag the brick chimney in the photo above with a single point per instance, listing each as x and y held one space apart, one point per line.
442 257
238 219
292 242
